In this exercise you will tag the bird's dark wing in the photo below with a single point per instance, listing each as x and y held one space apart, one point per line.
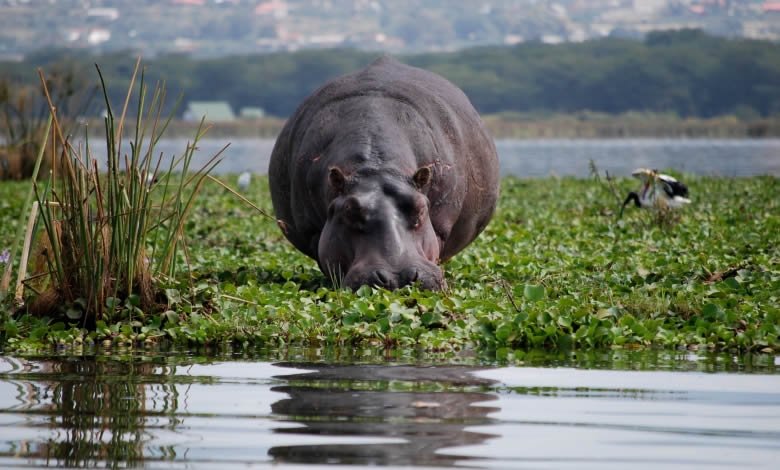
672 187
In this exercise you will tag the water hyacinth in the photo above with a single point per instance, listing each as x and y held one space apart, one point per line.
555 269
5 256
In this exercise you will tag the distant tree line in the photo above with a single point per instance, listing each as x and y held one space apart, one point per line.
685 72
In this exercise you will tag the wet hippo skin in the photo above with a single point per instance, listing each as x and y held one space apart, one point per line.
383 174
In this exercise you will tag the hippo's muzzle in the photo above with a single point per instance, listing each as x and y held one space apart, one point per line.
378 233
427 276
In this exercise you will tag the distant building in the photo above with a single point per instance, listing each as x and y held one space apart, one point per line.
110 14
251 112
97 36
649 7
512 39
184 45
90 36
215 111
326 39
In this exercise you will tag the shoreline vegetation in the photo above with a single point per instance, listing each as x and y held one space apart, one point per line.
554 269
582 125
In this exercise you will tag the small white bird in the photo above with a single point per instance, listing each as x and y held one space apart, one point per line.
658 190
243 180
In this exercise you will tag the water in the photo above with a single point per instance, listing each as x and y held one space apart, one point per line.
170 411
561 157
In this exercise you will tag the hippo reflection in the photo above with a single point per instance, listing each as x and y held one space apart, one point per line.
383 174
426 421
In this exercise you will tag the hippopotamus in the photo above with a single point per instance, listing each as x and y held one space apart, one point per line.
383 174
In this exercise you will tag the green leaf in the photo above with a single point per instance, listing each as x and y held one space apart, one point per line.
73 313
533 292
112 303
710 311
11 328
350 319
364 291
171 317
505 332
604 313
732 283
173 295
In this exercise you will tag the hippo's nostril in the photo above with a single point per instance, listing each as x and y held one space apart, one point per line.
409 276
421 276
381 278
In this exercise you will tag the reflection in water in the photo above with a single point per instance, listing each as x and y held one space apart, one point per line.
173 411
97 410
430 412
90 412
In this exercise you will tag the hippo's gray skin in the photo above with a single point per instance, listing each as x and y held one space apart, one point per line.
383 174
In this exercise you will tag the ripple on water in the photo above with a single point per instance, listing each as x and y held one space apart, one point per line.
170 412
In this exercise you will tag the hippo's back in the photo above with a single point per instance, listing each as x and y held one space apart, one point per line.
465 187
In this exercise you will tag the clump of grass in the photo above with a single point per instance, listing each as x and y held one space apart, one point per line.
107 237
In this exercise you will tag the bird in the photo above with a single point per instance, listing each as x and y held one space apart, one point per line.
657 191
243 180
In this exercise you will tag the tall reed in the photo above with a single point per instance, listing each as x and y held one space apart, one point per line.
108 237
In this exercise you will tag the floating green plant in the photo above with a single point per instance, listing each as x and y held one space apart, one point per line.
553 270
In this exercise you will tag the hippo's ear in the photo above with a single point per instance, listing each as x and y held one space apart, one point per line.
336 179
422 176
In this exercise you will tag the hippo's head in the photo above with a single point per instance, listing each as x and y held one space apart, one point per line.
378 231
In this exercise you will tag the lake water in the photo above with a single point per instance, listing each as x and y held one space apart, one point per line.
609 410
561 157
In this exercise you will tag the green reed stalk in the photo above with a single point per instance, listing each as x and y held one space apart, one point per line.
99 227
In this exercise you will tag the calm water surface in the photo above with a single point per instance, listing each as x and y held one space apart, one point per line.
562 157
651 410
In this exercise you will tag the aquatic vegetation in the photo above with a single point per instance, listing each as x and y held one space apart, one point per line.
554 269
107 236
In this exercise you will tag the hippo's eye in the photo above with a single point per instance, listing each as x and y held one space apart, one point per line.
337 180
417 216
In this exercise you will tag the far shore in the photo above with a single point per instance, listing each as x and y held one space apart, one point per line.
521 126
